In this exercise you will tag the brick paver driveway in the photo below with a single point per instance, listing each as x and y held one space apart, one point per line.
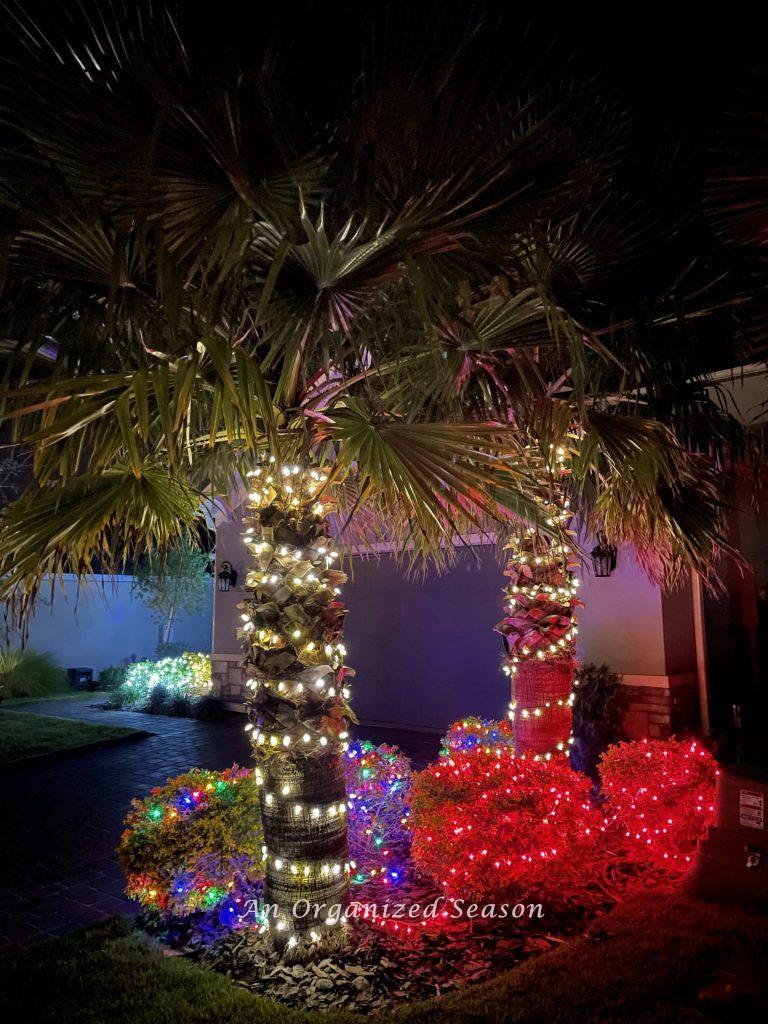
64 816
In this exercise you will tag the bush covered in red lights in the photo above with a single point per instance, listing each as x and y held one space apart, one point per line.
492 826
660 796
194 844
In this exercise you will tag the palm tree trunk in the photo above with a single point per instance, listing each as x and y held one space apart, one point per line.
539 628
298 712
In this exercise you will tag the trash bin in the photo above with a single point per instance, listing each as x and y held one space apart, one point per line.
81 678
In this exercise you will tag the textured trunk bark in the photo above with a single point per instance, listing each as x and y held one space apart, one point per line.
539 627
299 713
306 850
541 707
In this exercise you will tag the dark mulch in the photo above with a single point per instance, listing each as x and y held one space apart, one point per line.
384 964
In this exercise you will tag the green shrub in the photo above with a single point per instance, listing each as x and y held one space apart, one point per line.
179 707
195 843
158 701
112 677
30 674
597 716
206 708
188 676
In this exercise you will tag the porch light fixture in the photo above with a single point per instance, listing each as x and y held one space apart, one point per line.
227 577
603 556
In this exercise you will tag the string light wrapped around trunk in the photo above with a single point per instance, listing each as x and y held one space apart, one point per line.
299 713
539 627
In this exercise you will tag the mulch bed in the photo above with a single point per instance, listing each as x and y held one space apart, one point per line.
381 968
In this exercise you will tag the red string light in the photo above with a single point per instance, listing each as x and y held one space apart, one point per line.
660 797
492 826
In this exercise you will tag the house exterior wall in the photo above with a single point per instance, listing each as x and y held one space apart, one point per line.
104 623
425 652
737 635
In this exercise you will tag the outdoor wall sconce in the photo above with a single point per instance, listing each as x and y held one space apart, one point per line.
227 577
603 556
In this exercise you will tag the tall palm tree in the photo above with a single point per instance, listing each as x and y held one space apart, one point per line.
213 269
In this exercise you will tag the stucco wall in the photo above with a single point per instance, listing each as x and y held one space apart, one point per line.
424 649
106 624
621 623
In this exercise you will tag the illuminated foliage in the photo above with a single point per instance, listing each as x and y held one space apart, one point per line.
194 844
492 826
477 734
661 796
378 790
189 676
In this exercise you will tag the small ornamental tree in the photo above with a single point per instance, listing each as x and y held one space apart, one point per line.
597 715
179 583
496 827
660 797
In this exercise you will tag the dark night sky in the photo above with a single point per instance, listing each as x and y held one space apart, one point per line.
683 62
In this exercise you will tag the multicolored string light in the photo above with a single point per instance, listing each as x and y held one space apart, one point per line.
378 791
477 734
193 845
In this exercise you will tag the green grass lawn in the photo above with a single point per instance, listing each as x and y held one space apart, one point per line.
94 695
645 962
24 735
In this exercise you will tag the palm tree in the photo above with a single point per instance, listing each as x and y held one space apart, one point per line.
377 295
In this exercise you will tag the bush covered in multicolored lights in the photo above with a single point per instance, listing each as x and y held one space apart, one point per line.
378 790
481 823
660 797
478 734
186 678
493 826
194 844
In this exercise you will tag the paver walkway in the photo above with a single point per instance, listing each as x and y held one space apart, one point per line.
63 816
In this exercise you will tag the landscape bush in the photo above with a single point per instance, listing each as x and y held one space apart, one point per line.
25 673
112 677
660 797
194 844
491 826
169 686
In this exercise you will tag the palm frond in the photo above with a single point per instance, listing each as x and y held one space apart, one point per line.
637 484
90 524
426 486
